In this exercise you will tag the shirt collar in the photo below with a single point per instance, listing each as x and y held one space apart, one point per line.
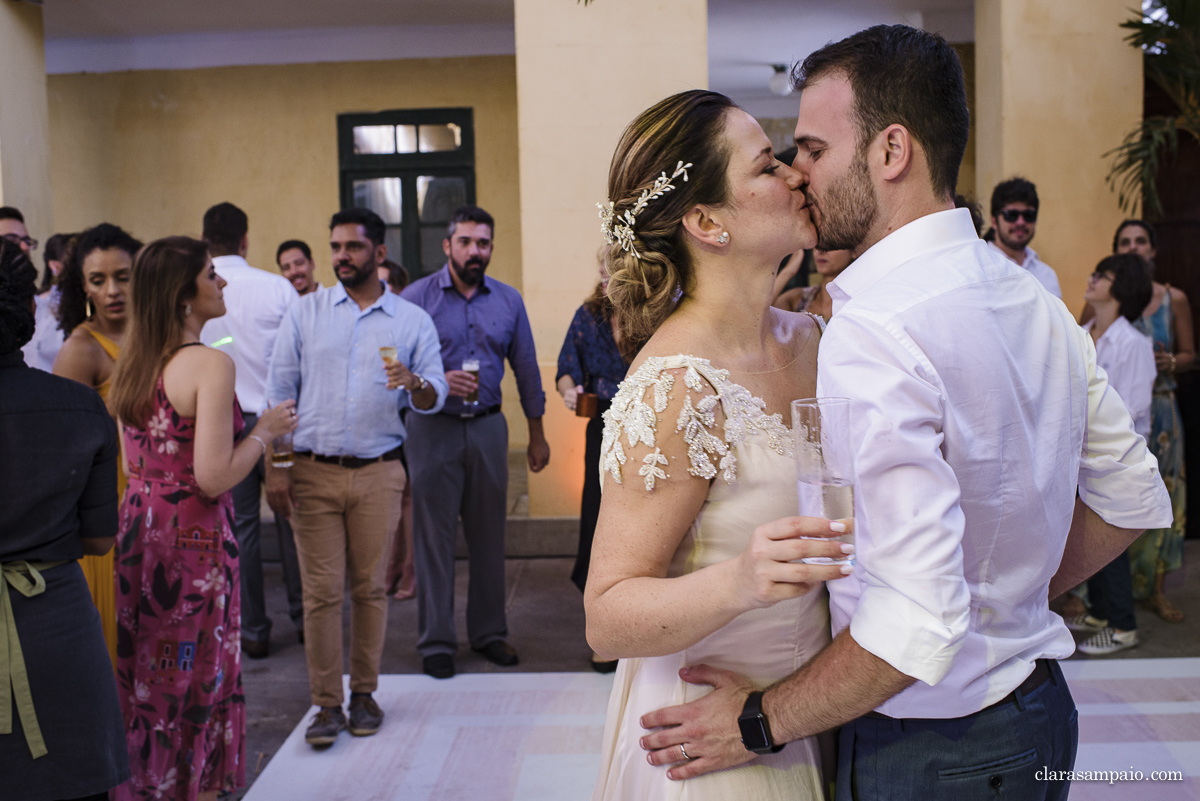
444 281
386 302
14 359
228 262
922 235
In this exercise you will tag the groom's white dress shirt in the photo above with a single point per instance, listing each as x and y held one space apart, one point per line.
1037 268
977 411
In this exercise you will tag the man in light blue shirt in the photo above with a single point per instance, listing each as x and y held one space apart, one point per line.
353 357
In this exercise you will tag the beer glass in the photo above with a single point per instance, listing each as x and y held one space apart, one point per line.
388 354
281 447
824 465
472 366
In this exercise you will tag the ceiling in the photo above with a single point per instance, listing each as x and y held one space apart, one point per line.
745 36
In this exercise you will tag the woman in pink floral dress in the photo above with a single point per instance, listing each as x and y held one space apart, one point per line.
178 657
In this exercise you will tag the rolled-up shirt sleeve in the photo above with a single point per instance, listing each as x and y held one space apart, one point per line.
913 611
523 357
427 362
1118 476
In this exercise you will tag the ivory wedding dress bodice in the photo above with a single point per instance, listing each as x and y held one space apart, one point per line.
749 461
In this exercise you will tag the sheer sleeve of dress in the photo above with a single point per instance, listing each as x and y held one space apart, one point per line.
693 399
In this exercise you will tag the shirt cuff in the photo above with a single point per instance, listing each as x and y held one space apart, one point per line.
927 648
1150 508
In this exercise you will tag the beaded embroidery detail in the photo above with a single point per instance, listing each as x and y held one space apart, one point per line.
708 454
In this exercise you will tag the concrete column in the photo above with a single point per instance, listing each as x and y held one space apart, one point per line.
1056 87
24 123
583 73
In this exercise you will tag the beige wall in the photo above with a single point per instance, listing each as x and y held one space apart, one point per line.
151 150
24 155
583 73
1056 88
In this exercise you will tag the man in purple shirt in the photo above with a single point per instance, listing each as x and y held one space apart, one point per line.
458 459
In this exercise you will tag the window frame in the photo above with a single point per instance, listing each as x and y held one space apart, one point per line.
459 163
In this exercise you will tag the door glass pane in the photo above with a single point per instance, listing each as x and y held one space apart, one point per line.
395 244
435 138
432 255
406 139
380 195
439 196
375 139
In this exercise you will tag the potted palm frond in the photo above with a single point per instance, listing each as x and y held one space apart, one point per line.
1168 32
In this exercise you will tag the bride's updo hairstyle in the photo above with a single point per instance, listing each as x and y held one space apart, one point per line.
648 278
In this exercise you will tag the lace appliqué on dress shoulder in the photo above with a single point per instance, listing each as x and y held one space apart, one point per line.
635 410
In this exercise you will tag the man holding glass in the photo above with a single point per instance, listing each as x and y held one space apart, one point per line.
353 357
977 418
459 458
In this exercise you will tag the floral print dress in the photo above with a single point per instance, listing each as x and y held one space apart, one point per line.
178 612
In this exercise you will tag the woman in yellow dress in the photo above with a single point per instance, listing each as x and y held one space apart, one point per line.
94 283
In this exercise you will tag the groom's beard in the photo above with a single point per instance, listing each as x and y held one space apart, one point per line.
848 209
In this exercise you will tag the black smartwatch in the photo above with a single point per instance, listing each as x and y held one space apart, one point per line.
756 731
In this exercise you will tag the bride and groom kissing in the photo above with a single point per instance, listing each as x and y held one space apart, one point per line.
993 468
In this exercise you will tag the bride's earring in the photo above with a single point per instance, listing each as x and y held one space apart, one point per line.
723 238
187 310
89 308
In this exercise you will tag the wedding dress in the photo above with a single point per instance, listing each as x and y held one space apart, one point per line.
750 458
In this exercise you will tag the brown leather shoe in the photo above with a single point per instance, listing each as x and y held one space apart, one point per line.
255 649
324 729
365 715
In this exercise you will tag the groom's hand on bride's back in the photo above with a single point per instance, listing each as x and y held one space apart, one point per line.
770 570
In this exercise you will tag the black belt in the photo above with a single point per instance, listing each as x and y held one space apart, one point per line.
352 462
1041 672
472 415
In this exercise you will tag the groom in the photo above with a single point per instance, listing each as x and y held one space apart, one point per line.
979 416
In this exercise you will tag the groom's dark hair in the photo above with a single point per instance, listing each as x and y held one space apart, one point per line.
904 76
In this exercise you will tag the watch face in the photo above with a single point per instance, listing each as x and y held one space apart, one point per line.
754 733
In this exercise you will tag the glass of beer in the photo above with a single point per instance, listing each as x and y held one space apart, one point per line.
824 465
281 447
388 354
472 366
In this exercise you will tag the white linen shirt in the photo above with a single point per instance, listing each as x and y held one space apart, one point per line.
1039 269
1127 357
255 302
976 411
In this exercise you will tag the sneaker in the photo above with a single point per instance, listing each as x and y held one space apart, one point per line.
325 726
1085 623
1108 641
365 715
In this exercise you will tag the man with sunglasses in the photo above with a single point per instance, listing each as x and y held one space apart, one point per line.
1014 222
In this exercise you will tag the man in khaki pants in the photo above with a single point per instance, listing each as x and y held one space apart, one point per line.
352 357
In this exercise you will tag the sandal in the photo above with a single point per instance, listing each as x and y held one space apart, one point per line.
1165 609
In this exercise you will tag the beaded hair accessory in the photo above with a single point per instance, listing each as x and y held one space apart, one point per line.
618 228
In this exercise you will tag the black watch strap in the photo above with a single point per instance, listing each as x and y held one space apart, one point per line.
756 731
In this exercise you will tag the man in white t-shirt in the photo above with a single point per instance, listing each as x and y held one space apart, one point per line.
977 415
1014 222
255 303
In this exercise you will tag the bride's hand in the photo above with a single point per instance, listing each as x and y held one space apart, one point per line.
769 570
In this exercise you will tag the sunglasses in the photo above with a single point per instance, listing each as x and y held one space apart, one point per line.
28 241
1012 215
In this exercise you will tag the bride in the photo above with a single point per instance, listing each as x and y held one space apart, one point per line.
694 553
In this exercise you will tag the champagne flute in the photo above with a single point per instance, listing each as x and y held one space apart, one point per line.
824 465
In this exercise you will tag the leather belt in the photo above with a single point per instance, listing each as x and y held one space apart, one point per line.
353 462
1039 676
472 415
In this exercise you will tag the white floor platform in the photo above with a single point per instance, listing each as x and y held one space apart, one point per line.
536 737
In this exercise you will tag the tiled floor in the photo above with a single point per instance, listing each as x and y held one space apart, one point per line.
532 733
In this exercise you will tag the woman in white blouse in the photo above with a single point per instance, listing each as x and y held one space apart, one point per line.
1118 290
